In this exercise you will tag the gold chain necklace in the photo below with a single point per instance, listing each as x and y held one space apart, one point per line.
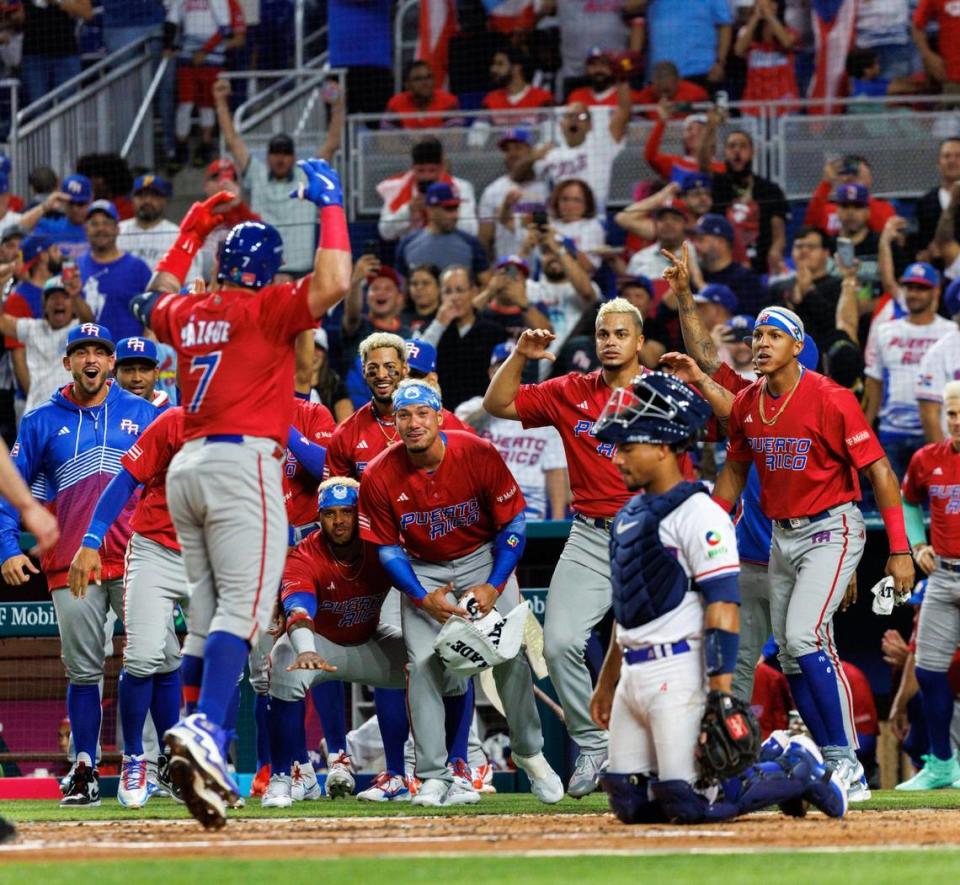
771 421
342 566
390 439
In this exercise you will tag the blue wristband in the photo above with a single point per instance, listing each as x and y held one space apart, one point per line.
720 651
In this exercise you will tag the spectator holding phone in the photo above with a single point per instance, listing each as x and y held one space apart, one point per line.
766 42
851 169
666 85
505 302
384 303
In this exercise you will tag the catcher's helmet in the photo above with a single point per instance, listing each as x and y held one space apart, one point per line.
251 254
657 408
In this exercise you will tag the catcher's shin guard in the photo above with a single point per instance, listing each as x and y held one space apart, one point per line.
629 799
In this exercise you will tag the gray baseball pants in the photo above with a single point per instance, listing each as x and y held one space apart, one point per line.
580 595
426 673
755 626
226 501
939 631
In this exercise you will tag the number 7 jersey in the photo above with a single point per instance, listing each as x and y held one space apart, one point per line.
235 353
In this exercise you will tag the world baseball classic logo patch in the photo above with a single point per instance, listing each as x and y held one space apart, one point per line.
713 538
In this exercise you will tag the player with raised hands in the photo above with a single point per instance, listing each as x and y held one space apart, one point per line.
230 342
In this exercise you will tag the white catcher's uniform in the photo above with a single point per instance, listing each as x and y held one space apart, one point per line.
659 702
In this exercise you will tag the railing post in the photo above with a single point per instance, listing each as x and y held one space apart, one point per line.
298 35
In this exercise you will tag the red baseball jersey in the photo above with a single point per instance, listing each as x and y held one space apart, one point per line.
441 515
934 475
808 460
771 699
315 422
864 706
532 97
147 461
236 357
349 597
572 403
364 435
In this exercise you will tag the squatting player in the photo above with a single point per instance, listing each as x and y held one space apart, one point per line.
934 476
676 623
579 594
807 438
224 486
449 499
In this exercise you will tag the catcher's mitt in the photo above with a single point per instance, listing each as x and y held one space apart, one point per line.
729 737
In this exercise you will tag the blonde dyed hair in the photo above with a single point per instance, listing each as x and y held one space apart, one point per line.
951 390
383 339
620 305
347 481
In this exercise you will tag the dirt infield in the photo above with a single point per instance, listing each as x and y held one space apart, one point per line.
507 834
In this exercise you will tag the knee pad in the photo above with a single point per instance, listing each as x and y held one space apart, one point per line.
629 799
680 802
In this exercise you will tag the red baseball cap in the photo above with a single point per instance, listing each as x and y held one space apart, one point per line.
386 271
222 168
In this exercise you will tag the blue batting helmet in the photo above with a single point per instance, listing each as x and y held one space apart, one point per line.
659 408
251 254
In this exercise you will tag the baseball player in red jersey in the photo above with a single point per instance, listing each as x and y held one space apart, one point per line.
317 425
934 476
449 499
224 487
580 592
808 438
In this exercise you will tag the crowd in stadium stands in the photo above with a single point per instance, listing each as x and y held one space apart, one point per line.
461 270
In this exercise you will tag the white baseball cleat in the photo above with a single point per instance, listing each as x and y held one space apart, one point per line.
853 777
133 791
545 783
386 787
340 779
278 792
482 777
303 783
461 791
432 793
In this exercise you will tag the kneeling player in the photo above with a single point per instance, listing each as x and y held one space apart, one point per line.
668 548
332 591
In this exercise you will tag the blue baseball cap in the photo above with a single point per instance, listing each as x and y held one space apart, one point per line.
514 261
717 293
851 195
921 274
78 188
33 245
153 183
104 206
416 394
136 348
692 181
421 356
442 194
714 225
742 324
521 136
501 352
90 333
951 298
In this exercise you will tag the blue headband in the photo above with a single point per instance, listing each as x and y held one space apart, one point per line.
416 395
337 495
783 319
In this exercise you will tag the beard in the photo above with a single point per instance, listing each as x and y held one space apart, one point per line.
601 82
554 274
148 214
54 265
741 177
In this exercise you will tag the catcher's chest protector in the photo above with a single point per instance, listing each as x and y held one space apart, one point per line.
647 580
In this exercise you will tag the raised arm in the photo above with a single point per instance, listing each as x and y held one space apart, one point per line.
892 230
235 144
620 118
331 144
696 338
353 304
504 386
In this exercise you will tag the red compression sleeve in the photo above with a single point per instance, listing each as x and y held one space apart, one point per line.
896 529
333 229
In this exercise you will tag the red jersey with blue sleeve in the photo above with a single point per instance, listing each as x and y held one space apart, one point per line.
234 345
934 476
364 435
147 462
441 515
808 458
348 598
77 449
314 422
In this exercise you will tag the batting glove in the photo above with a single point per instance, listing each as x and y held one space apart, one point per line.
323 184
201 220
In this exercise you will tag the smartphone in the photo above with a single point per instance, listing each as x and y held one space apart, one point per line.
423 186
845 254
371 247
69 271
330 91
540 218
721 101
850 165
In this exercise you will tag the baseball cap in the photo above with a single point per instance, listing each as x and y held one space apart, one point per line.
851 195
717 293
522 136
596 53
921 274
690 119
634 280
809 356
153 183
90 333
692 181
280 144
78 188
384 270
714 225
136 348
514 261
500 352
421 356
14 230
33 245
222 168
320 339
104 206
52 285
676 206
742 324
951 298
442 194
4 182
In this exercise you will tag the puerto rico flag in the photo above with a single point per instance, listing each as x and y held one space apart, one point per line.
833 29
438 23
507 16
